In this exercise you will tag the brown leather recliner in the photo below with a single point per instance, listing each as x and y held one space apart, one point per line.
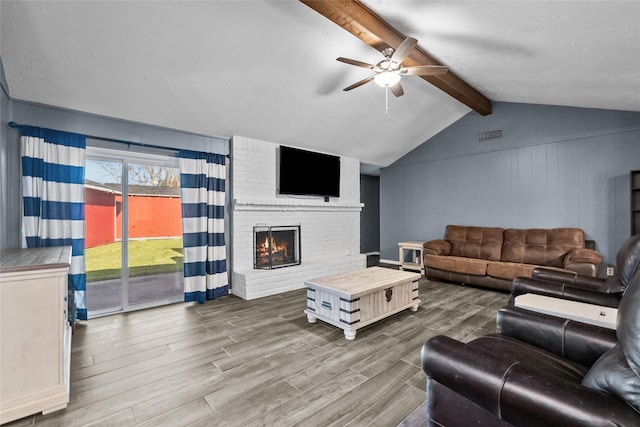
539 370
591 290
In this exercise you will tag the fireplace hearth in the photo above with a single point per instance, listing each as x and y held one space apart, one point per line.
276 246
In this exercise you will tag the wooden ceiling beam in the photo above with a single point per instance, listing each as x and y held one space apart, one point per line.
363 23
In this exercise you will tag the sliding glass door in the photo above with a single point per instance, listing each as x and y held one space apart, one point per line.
103 222
134 237
154 255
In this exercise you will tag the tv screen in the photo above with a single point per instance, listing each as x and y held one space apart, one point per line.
308 173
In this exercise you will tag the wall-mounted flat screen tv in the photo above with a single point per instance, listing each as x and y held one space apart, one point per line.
308 173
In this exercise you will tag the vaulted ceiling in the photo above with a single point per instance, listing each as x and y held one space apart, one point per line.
268 69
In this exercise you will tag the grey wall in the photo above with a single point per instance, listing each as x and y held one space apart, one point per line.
553 167
72 121
370 215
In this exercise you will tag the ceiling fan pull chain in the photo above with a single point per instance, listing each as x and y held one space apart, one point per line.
386 100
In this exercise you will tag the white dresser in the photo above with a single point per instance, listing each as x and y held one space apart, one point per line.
35 336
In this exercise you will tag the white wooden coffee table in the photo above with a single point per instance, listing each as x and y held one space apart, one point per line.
358 298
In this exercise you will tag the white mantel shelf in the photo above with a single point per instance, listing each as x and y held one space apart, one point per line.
286 204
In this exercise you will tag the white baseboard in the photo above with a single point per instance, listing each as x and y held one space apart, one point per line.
389 261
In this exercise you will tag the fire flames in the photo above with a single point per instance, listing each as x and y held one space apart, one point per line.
276 247
276 250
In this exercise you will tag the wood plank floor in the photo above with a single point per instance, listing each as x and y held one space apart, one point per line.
231 362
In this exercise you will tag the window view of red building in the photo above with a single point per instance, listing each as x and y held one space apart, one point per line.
152 213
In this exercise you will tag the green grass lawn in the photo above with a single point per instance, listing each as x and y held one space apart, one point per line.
145 257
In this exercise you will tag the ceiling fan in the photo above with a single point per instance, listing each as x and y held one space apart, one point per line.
390 69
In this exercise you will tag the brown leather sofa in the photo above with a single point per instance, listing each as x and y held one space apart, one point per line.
493 256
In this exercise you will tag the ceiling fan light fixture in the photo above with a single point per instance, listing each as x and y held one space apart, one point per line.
387 78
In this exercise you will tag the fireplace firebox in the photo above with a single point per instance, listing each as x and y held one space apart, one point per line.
276 246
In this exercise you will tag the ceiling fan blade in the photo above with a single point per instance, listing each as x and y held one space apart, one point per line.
397 90
424 70
358 84
403 50
355 62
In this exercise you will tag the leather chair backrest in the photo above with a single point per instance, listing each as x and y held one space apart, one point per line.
628 330
628 259
617 372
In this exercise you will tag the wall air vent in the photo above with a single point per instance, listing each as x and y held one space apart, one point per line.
491 134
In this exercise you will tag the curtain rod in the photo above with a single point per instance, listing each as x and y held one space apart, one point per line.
120 141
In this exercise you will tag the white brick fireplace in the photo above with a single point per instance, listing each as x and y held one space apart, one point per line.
330 231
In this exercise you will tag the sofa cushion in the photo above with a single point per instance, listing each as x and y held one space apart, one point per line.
546 247
475 242
455 264
509 270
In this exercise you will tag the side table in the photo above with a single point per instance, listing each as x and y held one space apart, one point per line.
411 256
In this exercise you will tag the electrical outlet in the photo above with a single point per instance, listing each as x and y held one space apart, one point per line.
609 271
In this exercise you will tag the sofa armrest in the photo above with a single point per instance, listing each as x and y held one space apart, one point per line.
516 395
582 256
610 285
579 342
437 247
562 290
553 275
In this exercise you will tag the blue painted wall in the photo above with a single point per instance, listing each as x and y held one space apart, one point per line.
552 167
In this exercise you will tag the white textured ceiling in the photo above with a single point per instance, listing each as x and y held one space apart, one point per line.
267 69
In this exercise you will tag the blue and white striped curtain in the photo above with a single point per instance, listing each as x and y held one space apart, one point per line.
53 200
202 182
